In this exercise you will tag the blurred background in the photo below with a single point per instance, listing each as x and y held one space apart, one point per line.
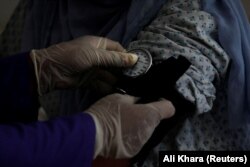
246 4
8 6
6 9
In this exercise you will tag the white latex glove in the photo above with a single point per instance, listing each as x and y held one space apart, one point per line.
60 66
123 127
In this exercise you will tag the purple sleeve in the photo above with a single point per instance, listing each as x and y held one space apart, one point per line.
24 142
66 141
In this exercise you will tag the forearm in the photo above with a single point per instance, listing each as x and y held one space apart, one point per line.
66 141
183 29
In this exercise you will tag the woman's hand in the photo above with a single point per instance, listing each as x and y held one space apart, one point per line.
61 65
123 127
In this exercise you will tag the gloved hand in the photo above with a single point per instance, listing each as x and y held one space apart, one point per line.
123 127
60 66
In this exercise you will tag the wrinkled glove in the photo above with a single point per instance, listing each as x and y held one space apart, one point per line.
123 127
60 66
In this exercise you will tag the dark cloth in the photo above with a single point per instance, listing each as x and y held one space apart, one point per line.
18 97
65 141
53 21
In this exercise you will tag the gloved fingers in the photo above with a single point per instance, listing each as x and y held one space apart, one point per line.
103 43
128 99
114 46
93 41
113 58
98 42
126 126
117 98
164 107
138 123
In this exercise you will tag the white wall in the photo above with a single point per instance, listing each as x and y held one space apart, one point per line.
6 9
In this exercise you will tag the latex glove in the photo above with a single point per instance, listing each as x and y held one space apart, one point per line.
60 66
123 127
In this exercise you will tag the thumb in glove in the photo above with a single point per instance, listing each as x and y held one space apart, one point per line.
123 127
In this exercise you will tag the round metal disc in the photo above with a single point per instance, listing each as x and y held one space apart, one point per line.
142 65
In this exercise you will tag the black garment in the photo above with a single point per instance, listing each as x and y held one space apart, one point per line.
159 82
19 98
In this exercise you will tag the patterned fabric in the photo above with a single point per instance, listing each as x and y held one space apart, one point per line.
205 132
182 29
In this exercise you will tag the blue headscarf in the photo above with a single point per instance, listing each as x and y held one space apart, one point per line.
234 37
